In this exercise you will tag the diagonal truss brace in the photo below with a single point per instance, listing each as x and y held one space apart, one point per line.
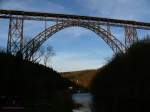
15 36
38 40
130 36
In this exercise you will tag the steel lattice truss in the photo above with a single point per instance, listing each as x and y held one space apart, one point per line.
37 41
15 35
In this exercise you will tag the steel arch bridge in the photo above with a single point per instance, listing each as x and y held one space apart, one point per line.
15 41
38 40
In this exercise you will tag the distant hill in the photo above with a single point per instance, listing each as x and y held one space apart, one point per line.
81 78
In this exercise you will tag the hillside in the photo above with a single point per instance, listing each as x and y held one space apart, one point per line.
31 87
123 85
81 78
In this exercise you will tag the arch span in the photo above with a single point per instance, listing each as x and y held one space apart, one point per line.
32 46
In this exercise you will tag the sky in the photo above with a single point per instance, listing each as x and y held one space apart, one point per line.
77 48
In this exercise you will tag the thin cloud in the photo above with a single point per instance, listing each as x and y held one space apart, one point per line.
71 61
79 62
32 5
119 9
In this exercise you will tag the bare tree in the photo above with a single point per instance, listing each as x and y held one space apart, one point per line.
42 53
36 57
2 49
48 54
147 37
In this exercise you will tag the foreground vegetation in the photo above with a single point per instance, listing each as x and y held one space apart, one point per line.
32 86
123 85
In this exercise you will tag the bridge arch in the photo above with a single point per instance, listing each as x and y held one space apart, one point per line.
32 46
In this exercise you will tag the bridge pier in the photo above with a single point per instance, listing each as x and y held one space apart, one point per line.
130 36
15 36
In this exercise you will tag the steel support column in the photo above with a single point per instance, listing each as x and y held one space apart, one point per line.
108 29
130 36
15 36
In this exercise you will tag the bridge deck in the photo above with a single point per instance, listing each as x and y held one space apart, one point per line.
59 17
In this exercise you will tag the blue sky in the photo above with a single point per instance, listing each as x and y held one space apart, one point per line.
78 48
